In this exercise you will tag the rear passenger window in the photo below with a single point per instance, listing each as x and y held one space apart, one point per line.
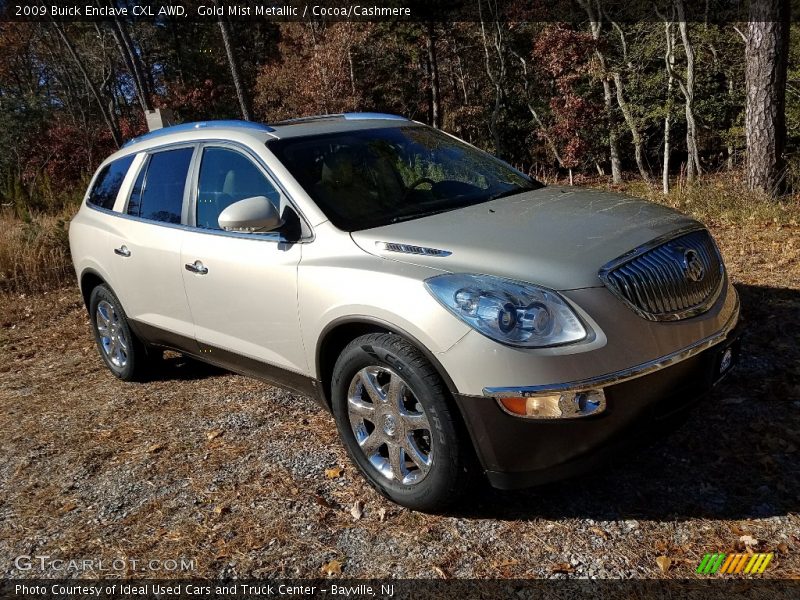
226 177
106 187
159 191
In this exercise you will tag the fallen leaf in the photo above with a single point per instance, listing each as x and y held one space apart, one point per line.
562 568
663 563
211 435
155 448
333 472
358 509
598 531
220 509
69 506
783 548
381 514
334 567
439 572
321 501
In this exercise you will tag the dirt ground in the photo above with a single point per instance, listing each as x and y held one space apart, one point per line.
248 480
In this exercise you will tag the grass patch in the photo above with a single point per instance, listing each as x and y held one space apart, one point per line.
721 199
34 253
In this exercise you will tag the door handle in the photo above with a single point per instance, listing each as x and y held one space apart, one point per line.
196 267
122 251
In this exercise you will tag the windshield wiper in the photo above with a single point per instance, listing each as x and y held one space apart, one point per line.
419 215
511 192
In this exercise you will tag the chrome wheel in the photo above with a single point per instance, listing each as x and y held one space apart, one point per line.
390 425
112 334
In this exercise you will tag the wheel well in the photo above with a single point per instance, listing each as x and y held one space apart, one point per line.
336 339
331 346
89 281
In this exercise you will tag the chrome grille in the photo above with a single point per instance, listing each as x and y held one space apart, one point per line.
670 279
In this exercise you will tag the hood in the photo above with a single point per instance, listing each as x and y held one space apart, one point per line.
558 237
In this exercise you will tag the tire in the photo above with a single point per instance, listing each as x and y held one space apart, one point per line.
123 353
409 444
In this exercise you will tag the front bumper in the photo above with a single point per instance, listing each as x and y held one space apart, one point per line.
519 452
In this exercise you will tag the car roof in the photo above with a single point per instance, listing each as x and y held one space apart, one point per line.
284 129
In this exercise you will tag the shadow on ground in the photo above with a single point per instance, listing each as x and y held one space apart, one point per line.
736 457
176 367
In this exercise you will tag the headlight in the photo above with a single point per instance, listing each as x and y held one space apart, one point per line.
510 312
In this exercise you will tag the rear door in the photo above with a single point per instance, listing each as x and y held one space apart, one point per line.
242 287
146 247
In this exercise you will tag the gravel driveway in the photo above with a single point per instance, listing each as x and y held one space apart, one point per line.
231 477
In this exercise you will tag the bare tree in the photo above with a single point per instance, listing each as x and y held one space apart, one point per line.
495 70
766 55
433 71
595 25
107 116
669 61
687 88
241 93
627 113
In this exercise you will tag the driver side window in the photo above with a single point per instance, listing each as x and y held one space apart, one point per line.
226 176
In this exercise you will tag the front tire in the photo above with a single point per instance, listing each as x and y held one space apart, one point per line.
398 425
124 355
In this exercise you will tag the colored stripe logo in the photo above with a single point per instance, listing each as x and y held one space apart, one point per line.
729 564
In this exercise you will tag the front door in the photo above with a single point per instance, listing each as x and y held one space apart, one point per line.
242 288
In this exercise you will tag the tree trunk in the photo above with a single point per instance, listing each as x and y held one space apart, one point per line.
132 61
766 54
112 127
638 142
693 159
497 77
613 142
436 106
669 59
731 149
241 93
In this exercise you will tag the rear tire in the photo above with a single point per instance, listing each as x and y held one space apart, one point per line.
123 353
398 424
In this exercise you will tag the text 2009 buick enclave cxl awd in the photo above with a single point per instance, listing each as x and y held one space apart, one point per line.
453 314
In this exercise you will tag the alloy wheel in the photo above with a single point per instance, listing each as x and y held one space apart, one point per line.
390 425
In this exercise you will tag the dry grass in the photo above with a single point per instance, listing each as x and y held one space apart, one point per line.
34 254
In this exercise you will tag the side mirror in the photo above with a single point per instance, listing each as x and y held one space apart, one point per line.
250 215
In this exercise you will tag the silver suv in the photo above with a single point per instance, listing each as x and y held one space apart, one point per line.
456 316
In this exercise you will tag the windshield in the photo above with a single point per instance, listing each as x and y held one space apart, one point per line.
373 177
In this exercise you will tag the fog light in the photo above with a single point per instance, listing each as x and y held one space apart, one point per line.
564 405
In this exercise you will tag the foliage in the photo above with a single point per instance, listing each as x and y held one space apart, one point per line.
488 82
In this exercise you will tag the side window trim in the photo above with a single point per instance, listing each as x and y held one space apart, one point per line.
144 164
264 169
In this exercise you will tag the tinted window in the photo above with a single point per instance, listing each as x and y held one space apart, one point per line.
372 177
161 197
105 190
227 176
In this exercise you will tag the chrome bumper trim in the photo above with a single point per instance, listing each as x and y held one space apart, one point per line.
619 376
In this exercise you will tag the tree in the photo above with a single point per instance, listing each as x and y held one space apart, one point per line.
595 25
233 64
766 54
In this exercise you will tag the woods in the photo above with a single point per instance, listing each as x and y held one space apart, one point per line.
661 101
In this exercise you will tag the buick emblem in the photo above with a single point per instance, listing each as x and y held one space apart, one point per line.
693 268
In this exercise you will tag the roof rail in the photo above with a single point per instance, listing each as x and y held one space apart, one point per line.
183 127
354 116
357 116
